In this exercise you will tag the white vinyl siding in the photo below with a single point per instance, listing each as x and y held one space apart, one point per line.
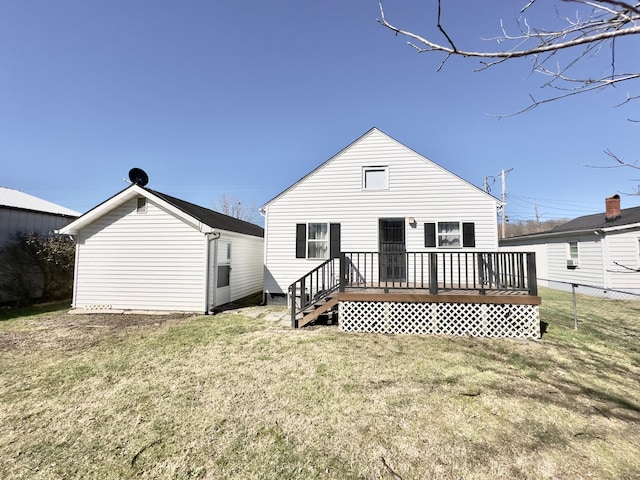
623 252
590 270
132 261
246 264
418 188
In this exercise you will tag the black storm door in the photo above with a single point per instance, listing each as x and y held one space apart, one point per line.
392 250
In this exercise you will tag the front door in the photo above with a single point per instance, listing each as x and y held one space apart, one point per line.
223 273
392 250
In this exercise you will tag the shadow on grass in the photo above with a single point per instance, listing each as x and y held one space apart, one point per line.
249 301
7 312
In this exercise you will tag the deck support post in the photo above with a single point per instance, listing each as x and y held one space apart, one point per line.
481 272
343 271
433 273
532 275
292 297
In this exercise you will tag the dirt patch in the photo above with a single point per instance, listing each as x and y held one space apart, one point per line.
73 331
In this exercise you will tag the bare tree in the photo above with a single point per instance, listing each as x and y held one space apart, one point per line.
595 25
233 207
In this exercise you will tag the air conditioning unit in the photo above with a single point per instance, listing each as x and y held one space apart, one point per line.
572 262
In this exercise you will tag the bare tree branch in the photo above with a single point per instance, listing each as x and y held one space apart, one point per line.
547 44
233 207
597 24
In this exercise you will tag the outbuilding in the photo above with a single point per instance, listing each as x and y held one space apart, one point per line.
145 250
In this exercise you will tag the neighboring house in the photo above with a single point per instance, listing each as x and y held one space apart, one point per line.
21 213
24 213
144 250
601 250
384 209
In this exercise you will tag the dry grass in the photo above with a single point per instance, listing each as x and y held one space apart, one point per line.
234 397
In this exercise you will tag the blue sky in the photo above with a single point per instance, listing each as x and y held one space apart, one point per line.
243 98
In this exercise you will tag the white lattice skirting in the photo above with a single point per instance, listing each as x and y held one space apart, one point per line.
467 319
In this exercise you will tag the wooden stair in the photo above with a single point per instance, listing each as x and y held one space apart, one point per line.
312 313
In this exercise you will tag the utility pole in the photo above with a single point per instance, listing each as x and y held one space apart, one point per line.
535 205
503 174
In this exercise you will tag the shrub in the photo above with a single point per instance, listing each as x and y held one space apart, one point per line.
37 266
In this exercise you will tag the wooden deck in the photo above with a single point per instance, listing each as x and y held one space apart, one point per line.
446 278
405 295
444 295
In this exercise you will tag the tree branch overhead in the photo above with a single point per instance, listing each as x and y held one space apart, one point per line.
597 23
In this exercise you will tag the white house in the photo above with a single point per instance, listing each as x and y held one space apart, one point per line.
374 195
600 250
144 250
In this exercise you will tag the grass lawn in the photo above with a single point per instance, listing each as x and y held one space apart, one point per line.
228 396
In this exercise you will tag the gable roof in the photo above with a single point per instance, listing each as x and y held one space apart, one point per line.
23 201
211 217
629 218
201 218
359 139
597 221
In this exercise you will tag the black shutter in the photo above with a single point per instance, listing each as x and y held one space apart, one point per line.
468 234
301 240
334 240
430 235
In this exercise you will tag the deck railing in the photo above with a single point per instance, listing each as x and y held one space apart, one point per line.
316 285
435 272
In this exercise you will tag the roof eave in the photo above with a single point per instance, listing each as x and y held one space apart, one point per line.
130 192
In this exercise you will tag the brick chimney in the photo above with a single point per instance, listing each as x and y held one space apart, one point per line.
613 208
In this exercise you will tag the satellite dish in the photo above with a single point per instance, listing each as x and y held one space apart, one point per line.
138 177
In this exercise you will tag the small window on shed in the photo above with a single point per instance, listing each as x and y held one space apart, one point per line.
142 205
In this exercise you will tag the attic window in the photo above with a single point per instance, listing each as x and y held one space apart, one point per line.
375 178
142 205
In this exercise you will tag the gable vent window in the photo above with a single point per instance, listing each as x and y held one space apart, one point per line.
142 205
449 234
375 178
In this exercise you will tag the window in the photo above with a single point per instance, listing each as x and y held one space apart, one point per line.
572 259
141 206
449 234
573 250
317 240
375 178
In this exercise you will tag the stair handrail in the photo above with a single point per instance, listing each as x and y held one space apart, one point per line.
327 281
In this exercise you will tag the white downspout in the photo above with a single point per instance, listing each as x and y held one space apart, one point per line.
209 236
605 259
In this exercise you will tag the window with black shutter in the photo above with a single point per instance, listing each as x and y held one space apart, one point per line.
448 234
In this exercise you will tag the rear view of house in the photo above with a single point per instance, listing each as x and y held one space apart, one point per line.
144 250
375 195
382 220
